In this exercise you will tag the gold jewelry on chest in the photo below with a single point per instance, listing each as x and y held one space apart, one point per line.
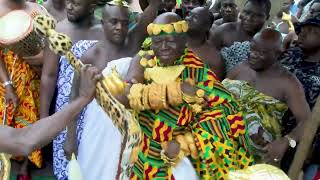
163 75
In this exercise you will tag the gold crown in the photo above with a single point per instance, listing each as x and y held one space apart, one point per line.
120 3
177 27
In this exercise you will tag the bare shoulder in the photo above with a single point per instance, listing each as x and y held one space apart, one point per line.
92 54
289 81
218 22
97 31
63 26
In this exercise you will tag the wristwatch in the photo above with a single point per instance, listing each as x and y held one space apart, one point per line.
292 142
7 83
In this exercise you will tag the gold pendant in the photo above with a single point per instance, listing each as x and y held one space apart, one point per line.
163 75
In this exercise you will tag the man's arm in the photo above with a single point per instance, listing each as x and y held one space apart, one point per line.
139 33
48 81
296 101
24 141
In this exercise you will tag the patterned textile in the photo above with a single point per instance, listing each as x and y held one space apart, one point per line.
64 85
235 54
308 74
263 114
27 84
219 130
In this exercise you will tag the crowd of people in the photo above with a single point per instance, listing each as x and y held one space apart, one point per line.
212 88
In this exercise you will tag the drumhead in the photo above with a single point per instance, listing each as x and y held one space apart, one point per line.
15 26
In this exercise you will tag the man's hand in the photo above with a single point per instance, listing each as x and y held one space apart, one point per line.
69 147
275 150
89 76
11 96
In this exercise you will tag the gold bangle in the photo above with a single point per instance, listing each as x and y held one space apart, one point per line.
135 96
145 98
157 97
174 94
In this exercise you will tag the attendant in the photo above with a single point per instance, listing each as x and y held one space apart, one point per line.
80 24
303 61
266 105
188 5
57 8
197 39
113 51
19 102
314 10
237 35
228 11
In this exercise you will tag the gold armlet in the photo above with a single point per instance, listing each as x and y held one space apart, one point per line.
114 83
145 98
187 145
174 94
135 96
157 96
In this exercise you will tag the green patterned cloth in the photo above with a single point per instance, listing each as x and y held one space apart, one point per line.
263 114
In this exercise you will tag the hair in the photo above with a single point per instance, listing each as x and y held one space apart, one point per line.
266 4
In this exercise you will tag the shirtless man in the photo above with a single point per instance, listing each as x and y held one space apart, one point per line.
197 39
188 5
79 25
228 11
263 72
57 8
252 18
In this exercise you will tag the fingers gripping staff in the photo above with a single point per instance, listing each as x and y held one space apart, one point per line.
111 85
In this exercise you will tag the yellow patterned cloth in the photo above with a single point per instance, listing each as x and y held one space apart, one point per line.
27 86
262 112
259 171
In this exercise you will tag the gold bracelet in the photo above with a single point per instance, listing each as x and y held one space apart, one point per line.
145 98
157 97
174 94
135 96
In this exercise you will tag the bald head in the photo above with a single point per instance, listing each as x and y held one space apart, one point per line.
270 37
111 10
265 49
167 18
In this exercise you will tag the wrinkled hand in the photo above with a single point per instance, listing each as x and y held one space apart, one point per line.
172 149
89 76
188 88
11 96
275 150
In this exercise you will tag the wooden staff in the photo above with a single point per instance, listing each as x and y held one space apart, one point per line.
306 142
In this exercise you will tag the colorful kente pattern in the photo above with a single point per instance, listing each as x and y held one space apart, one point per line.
27 85
219 130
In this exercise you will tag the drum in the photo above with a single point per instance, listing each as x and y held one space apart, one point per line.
17 34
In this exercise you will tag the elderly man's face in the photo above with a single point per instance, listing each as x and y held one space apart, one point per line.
168 48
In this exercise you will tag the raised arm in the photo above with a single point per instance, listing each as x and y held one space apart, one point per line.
24 141
48 81
139 33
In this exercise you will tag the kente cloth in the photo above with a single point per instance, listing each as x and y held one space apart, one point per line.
26 84
219 131
64 84
100 145
235 54
263 114
308 73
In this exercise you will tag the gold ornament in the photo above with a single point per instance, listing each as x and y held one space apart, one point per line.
135 96
174 93
5 166
177 27
114 83
163 75
157 97
143 62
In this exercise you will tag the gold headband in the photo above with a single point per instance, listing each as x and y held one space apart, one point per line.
119 3
164 29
